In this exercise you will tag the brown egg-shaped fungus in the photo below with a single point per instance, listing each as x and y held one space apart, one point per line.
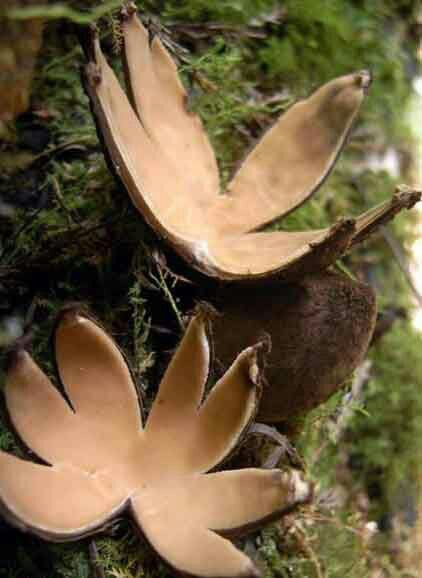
320 328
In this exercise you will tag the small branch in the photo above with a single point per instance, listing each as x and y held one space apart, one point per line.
284 447
162 284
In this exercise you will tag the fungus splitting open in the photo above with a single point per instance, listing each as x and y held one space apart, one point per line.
99 460
160 151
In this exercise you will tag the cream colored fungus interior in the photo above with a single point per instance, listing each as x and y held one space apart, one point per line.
102 460
162 153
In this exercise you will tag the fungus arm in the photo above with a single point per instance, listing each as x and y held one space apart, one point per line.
293 158
189 548
59 503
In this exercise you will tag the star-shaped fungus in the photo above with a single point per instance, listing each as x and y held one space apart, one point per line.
161 153
98 460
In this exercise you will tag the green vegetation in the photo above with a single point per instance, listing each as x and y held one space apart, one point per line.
72 235
394 406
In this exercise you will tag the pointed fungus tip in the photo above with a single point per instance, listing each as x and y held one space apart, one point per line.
72 314
17 351
127 11
406 197
263 347
256 359
205 312
94 44
364 79
302 490
88 36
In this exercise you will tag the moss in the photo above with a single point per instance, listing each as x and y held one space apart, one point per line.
373 473
124 557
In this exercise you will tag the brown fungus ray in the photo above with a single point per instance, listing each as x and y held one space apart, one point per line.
161 152
101 462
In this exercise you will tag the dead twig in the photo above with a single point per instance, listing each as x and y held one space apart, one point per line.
284 447
161 284
60 199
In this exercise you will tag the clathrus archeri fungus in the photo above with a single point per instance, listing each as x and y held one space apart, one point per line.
161 153
99 461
